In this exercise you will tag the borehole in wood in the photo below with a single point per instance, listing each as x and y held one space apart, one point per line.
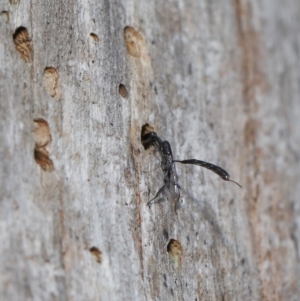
14 2
41 157
4 16
42 137
41 132
50 79
133 41
146 129
22 43
123 91
96 253
174 249
94 37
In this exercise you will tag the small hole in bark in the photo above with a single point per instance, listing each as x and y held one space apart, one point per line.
175 251
133 41
22 43
4 16
94 37
146 129
42 137
50 79
97 254
123 91
41 157
41 132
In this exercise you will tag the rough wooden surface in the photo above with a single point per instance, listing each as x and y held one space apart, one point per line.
219 80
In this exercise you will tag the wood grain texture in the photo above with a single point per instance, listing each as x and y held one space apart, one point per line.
219 80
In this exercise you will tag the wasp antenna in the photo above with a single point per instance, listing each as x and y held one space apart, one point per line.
235 183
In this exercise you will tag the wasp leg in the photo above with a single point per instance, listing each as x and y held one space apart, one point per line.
157 194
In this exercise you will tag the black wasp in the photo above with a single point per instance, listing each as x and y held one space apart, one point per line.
150 138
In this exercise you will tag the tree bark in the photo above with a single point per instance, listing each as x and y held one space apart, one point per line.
219 80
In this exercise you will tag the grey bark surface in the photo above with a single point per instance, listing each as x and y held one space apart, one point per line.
219 80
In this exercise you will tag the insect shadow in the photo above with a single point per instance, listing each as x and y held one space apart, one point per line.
149 138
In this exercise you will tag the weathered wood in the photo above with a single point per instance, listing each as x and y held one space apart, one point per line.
219 80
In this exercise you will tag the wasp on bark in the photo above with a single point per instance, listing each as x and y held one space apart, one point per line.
149 138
